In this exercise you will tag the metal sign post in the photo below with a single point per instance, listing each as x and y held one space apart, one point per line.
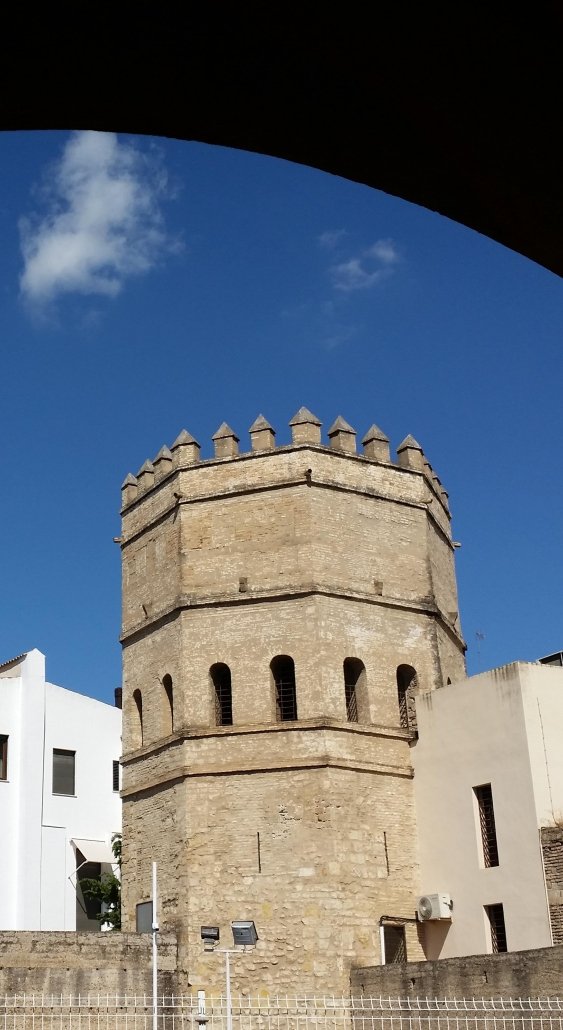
228 990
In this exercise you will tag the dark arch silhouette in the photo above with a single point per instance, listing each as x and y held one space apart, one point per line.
168 713
355 690
406 686
282 668
220 676
137 724
455 111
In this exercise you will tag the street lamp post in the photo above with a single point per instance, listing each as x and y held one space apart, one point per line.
244 933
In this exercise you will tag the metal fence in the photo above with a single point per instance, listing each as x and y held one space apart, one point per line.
282 1012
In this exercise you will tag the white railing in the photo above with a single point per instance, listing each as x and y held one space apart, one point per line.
277 1012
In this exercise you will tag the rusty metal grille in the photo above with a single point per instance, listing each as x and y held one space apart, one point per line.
498 929
283 672
484 797
403 708
351 702
286 700
222 694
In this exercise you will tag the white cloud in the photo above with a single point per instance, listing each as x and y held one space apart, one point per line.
371 266
385 251
101 220
331 238
351 275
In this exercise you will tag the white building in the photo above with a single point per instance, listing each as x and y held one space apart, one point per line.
59 797
489 793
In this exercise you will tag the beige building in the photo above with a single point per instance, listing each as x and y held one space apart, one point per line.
281 607
489 799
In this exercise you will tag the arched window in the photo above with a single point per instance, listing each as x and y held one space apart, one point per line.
168 713
220 676
406 689
283 676
137 736
355 690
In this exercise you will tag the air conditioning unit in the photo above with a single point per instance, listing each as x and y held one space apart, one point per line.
434 906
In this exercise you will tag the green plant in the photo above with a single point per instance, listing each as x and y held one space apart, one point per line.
107 890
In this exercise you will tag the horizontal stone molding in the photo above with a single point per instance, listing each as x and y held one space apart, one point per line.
235 598
299 726
262 766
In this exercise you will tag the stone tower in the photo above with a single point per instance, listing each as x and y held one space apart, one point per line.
281 609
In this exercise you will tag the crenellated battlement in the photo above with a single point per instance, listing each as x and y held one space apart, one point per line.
305 428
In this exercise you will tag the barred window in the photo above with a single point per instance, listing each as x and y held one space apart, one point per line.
394 943
115 776
283 675
220 675
484 796
354 689
495 914
406 687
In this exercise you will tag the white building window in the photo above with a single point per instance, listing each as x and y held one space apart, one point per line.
116 775
3 756
63 771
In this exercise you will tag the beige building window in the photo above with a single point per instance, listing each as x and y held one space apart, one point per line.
3 756
220 675
283 675
63 771
495 916
484 796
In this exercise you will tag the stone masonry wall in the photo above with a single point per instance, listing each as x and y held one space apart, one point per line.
316 859
552 851
307 826
53 963
516 974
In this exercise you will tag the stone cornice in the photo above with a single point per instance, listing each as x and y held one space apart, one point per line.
234 599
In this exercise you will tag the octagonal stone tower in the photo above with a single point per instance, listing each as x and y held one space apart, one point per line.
281 609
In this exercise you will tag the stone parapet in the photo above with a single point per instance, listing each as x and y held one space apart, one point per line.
57 963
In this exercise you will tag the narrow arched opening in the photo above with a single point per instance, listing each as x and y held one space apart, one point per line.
407 682
137 721
168 705
222 696
282 668
355 690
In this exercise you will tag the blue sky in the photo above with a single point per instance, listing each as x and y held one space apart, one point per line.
154 285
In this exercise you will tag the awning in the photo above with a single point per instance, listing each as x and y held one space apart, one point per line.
94 850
